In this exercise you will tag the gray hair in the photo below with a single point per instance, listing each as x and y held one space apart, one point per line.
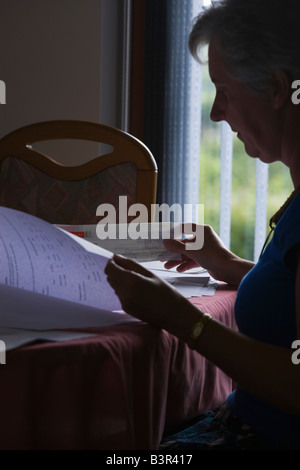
253 36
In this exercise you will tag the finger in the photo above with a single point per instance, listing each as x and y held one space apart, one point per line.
126 284
172 264
116 272
186 265
187 228
176 246
131 265
123 274
121 280
113 273
183 265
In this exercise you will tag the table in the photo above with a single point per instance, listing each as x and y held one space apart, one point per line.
118 390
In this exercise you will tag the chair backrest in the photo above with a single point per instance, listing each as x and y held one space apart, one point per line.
33 182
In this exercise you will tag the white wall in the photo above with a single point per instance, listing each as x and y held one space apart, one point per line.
58 59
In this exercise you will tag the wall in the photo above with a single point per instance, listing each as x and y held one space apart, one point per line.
59 60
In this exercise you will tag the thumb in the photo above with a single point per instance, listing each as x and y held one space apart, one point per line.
175 246
129 264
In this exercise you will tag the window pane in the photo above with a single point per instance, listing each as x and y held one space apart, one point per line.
280 187
209 191
243 201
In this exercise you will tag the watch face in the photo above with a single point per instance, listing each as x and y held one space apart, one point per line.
196 331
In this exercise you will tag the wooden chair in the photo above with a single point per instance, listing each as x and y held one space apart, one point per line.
33 182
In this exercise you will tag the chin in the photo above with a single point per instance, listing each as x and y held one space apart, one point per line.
251 151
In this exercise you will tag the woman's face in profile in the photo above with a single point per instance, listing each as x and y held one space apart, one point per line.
250 115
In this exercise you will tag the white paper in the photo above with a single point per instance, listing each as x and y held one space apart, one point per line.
15 338
193 283
38 257
51 280
21 308
140 241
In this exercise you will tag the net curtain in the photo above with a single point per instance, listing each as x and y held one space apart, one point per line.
173 101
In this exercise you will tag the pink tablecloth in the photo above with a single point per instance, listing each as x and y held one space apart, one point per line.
118 390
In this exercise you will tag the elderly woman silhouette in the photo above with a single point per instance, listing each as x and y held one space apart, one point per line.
254 63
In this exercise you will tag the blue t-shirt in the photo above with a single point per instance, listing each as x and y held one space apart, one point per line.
265 310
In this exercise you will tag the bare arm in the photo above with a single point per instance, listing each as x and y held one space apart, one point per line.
222 264
264 370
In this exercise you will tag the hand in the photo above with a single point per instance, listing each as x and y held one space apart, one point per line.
149 298
220 263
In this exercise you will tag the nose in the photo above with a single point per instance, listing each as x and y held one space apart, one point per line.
218 110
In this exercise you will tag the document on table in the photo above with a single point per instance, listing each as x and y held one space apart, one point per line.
193 283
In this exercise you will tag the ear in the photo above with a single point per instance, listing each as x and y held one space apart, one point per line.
280 89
